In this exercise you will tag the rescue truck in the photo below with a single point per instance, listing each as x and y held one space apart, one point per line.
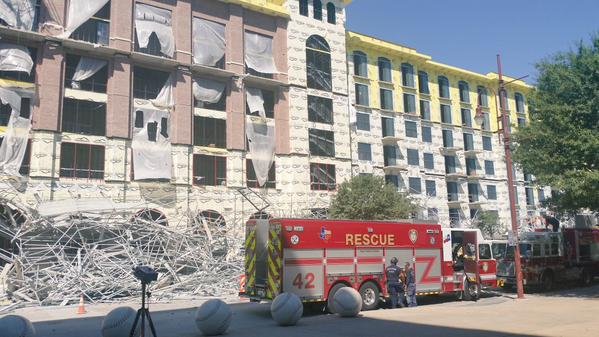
549 258
314 258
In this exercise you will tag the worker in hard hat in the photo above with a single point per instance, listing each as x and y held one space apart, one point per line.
394 284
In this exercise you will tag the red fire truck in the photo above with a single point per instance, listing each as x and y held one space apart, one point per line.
550 258
314 258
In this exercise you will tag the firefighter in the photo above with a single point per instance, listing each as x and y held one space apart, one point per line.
394 284
410 285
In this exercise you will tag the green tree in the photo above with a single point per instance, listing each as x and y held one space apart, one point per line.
488 223
367 197
560 145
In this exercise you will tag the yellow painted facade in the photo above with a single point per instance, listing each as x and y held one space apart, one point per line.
398 54
270 7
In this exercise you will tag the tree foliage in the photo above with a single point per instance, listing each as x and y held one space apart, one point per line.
367 197
489 225
560 146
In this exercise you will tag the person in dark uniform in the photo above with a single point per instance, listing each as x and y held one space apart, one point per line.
410 285
394 284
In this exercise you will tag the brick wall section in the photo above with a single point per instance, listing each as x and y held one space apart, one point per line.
282 122
182 115
118 109
46 114
121 24
182 30
236 98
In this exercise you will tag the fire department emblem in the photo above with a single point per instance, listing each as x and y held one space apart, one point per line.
413 235
485 267
325 234
294 239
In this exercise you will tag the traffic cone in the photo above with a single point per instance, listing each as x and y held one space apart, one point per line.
81 310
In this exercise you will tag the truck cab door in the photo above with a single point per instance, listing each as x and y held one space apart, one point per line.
470 246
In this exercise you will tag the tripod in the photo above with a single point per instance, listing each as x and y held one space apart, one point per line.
143 312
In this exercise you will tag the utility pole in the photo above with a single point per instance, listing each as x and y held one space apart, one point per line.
505 123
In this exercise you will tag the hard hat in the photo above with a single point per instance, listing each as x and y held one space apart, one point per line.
394 260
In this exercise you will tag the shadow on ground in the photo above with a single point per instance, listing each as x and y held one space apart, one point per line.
572 289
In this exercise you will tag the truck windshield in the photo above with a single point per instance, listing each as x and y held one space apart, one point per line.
525 250
499 249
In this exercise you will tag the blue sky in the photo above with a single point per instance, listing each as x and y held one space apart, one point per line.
469 33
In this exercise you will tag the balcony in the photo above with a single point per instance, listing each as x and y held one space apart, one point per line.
472 152
394 166
474 200
454 175
450 150
391 139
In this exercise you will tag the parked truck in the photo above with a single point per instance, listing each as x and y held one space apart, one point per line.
314 258
549 258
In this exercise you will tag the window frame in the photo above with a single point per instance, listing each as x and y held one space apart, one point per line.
407 75
411 129
323 186
444 91
251 180
320 101
318 134
211 129
319 60
90 169
423 86
218 180
427 136
364 149
82 110
464 89
360 60
386 99
358 94
413 157
412 183
331 13
385 74
428 158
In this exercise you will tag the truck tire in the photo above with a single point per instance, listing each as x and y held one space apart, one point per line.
470 291
586 277
336 287
547 281
370 296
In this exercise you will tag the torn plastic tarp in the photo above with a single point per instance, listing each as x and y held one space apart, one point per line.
165 99
151 145
14 144
258 53
86 68
208 42
15 57
261 140
11 98
19 14
150 19
208 91
255 101
79 12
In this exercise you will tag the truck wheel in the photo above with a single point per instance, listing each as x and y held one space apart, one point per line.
330 305
586 277
370 296
470 291
547 281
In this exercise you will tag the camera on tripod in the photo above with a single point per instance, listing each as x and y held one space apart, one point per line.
145 274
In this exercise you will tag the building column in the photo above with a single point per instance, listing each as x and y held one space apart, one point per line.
182 116
182 30
283 145
118 108
121 24
235 63
280 50
49 71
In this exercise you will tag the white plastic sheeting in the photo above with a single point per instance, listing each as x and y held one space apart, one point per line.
11 98
15 58
151 146
255 101
86 68
79 12
14 145
19 14
165 98
261 140
258 53
208 91
208 42
150 19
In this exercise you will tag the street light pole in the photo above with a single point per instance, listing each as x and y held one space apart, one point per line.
505 123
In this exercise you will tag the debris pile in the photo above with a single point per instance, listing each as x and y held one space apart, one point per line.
63 250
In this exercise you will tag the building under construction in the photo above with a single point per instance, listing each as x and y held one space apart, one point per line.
150 131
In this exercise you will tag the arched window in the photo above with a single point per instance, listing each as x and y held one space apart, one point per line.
384 70
331 14
317 6
464 91
303 7
423 82
150 215
211 219
318 59
483 100
360 64
407 75
519 102
443 86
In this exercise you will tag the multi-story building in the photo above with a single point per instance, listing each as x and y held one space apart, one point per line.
415 124
182 105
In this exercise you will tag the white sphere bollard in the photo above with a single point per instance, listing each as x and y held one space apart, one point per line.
347 302
286 309
213 317
16 326
118 322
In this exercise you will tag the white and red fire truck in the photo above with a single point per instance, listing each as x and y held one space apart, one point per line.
314 258
550 258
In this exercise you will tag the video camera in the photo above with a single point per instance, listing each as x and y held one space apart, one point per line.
145 274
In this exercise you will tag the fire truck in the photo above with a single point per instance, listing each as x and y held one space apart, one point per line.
549 258
314 258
